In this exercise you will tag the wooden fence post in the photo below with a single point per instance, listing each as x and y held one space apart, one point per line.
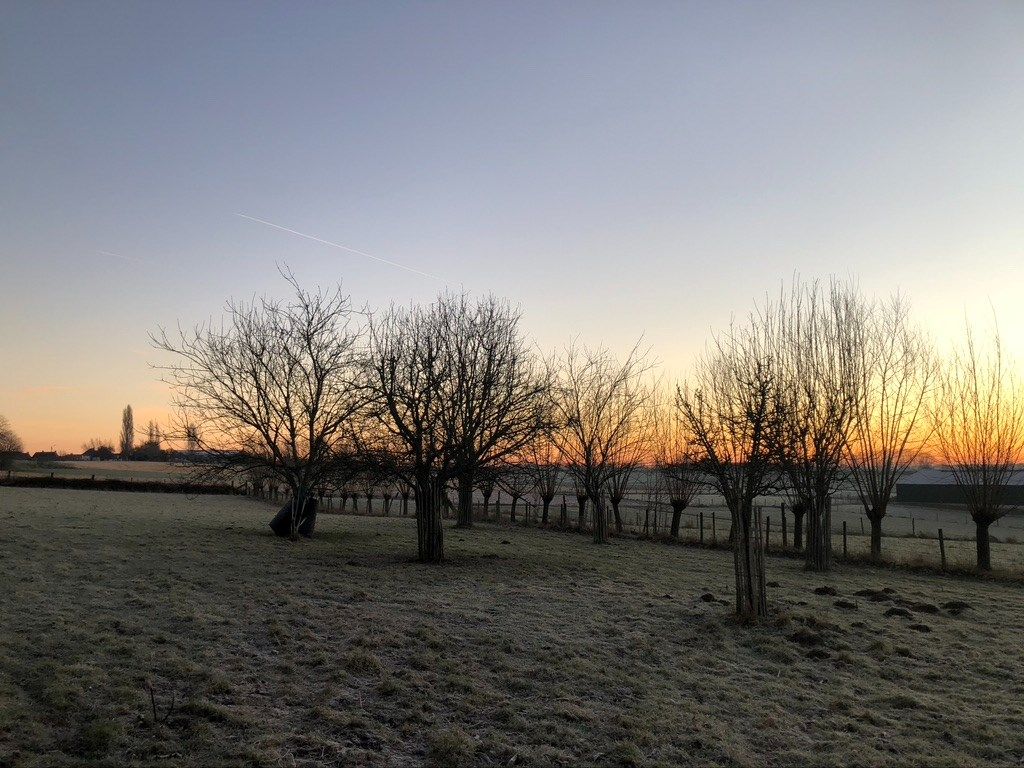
767 532
844 539
913 527
785 534
714 532
942 549
702 528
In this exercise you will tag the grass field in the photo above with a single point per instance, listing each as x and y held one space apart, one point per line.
105 470
527 648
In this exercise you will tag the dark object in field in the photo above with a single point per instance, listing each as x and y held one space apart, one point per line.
921 627
806 637
772 584
707 597
903 612
282 522
818 654
826 590
846 605
923 607
874 595
956 607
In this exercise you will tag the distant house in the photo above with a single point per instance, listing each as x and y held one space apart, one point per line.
45 456
938 486
102 453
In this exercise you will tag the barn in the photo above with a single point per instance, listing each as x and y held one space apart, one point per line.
938 486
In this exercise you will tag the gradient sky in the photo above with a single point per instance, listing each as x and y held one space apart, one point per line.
617 169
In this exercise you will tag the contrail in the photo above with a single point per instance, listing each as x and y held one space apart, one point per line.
119 256
342 247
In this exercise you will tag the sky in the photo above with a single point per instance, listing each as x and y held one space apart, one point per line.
618 170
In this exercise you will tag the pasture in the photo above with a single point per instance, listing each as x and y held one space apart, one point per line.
152 629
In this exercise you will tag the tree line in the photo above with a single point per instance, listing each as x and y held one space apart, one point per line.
817 387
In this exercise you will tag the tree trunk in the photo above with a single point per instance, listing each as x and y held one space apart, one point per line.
563 515
819 537
512 511
544 514
618 517
748 561
581 501
429 533
369 503
677 514
487 503
465 518
798 527
405 504
876 534
984 545
600 521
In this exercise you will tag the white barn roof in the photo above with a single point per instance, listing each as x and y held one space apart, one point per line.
945 477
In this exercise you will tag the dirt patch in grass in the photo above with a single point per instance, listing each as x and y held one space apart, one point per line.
165 630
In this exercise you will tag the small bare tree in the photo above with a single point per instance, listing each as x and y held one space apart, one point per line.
517 480
979 425
271 390
898 374
676 465
544 464
730 409
10 444
601 406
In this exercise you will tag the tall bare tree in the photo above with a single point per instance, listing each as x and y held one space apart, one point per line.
414 381
272 389
730 409
898 374
10 444
979 425
499 388
814 331
127 432
601 405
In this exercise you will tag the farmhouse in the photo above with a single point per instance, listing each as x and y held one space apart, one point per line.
938 486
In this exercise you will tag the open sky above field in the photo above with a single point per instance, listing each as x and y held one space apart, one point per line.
617 168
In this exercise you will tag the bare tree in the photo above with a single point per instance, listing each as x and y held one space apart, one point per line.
414 381
898 374
127 432
814 333
730 409
630 455
272 389
497 392
676 465
517 481
979 425
544 464
10 444
601 406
